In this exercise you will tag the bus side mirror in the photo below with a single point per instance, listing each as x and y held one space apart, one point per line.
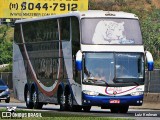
150 61
79 60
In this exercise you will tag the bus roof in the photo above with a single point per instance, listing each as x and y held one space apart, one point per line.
86 14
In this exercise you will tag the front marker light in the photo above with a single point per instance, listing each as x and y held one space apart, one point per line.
137 93
90 93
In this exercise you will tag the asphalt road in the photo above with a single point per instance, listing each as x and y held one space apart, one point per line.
138 114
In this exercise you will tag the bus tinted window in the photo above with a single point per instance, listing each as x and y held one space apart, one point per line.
111 31
65 28
41 31
75 46
17 34
75 35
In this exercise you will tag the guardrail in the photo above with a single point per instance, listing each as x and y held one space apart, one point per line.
152 82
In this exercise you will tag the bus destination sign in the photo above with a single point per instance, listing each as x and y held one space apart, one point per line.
38 8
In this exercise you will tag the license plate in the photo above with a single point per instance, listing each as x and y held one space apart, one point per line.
114 101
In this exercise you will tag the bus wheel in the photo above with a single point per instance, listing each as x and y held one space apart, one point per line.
77 108
62 101
28 100
115 110
69 101
36 104
124 109
86 108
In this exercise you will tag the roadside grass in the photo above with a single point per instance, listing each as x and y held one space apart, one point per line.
50 115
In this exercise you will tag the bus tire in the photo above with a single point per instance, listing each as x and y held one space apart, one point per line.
27 97
62 101
69 101
36 103
77 108
124 109
115 110
86 108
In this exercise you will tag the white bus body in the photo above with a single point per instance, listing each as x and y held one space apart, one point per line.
79 60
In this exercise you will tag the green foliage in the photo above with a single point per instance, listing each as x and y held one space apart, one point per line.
5 53
151 33
101 5
6 38
120 2
151 36
149 1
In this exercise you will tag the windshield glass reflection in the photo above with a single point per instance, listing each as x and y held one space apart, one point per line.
111 31
99 67
111 68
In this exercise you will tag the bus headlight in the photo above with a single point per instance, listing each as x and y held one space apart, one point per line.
137 93
90 93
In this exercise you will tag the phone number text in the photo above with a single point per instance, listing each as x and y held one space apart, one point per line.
44 6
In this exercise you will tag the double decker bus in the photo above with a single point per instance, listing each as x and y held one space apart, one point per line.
79 60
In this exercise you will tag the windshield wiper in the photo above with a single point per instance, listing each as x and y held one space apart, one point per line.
136 83
95 80
115 81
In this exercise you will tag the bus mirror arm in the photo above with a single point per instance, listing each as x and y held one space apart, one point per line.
79 60
150 61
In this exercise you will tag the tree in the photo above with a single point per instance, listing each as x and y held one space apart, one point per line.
6 38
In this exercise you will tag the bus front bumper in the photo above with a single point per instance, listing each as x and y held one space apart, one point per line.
111 100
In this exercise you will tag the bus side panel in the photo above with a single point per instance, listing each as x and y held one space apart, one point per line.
76 88
19 73
42 57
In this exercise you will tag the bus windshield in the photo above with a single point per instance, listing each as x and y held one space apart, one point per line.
112 68
111 31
